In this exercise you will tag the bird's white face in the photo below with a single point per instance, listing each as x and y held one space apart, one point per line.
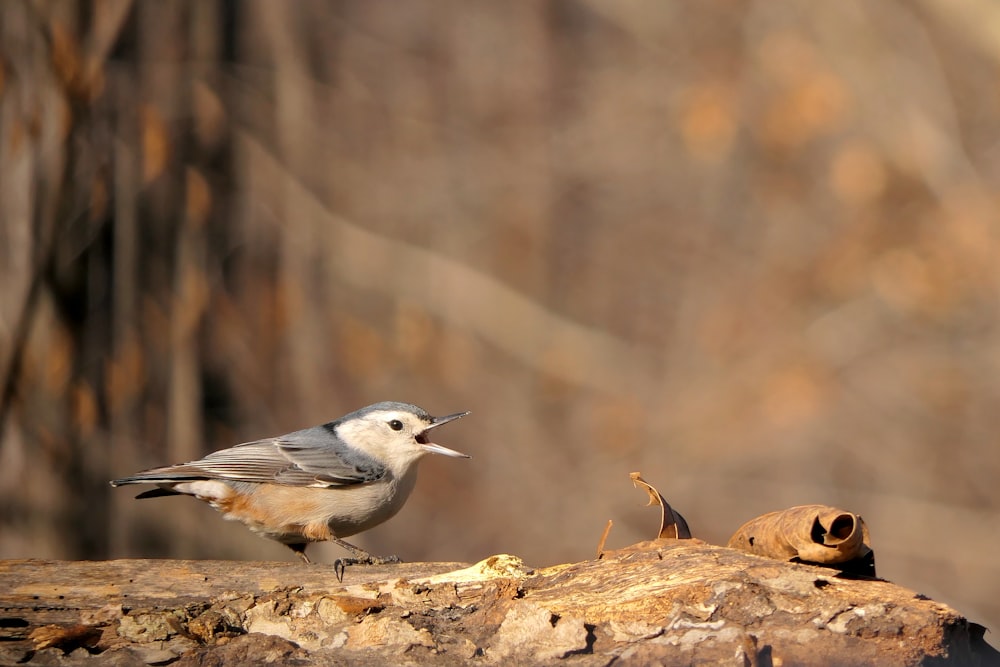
395 437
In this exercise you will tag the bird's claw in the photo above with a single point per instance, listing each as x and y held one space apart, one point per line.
338 568
340 565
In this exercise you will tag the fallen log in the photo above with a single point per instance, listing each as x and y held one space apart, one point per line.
665 602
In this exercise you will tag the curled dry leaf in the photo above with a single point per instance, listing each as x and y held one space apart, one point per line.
816 534
672 524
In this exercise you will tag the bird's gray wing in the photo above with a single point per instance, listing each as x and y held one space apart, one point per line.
311 457
317 451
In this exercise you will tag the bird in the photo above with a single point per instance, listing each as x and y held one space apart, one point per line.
322 483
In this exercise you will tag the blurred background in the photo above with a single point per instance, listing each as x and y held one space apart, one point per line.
747 248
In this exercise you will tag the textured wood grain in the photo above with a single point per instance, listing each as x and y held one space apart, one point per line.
71 587
666 601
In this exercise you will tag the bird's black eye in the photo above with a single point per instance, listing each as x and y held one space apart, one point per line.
396 425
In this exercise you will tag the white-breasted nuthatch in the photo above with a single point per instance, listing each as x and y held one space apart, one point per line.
322 483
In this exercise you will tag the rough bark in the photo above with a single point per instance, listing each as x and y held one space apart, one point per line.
665 602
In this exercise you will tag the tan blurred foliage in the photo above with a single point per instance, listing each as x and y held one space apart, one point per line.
749 248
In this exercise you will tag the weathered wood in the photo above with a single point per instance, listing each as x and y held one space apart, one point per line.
64 589
670 602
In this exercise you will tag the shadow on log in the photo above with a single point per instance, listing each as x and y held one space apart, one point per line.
666 602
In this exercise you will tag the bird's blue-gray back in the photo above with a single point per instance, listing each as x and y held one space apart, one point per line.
310 457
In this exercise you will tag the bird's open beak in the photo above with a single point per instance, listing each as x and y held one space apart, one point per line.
438 449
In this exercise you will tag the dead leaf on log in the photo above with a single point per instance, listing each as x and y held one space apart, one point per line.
817 534
672 525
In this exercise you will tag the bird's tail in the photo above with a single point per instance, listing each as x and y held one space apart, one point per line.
164 478
158 492
166 475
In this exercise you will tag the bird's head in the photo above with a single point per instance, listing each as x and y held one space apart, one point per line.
397 434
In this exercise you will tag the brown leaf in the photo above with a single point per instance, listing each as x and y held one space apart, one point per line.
816 534
672 524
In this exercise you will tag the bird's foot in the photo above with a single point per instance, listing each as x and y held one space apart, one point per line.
361 557
340 565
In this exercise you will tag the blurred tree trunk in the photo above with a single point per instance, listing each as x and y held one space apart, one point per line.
54 206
